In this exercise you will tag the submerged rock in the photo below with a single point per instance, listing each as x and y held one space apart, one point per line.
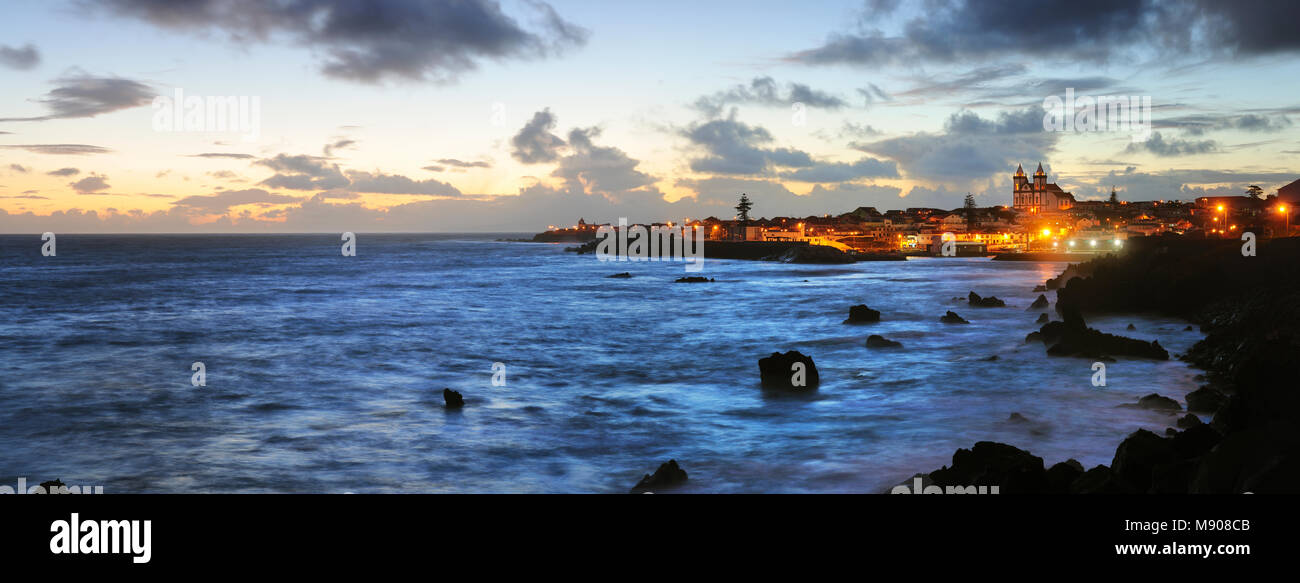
668 475
778 371
861 314
1131 327
453 399
1040 288
1040 303
878 341
623 275
1017 418
952 318
694 279
974 299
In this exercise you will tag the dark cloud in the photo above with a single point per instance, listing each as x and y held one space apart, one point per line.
303 173
766 92
454 163
602 170
1197 125
844 171
535 144
60 149
85 96
375 40
962 30
223 155
90 184
221 202
338 145
1167 147
64 172
970 147
22 58
734 147
19 168
380 183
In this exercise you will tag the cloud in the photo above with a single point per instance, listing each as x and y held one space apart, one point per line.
19 168
380 183
64 172
1196 125
22 58
602 170
59 149
303 173
454 163
379 39
223 155
734 147
1160 146
221 202
974 31
764 91
338 145
844 171
535 144
84 96
970 147
90 185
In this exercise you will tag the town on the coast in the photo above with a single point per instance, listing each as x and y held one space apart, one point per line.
1041 220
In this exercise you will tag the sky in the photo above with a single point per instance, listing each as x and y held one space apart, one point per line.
472 115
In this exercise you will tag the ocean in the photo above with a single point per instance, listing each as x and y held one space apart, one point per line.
325 373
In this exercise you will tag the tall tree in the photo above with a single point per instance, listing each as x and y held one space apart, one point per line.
1114 197
742 214
1254 191
970 211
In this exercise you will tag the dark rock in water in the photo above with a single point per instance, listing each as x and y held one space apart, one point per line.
878 341
861 314
623 275
778 371
55 486
1040 288
1035 335
1042 319
1101 480
1170 432
1013 470
990 358
1072 337
453 399
1139 454
952 318
1188 421
694 279
1187 329
1205 400
1017 418
1062 475
814 254
1158 403
1040 303
1131 327
668 475
974 299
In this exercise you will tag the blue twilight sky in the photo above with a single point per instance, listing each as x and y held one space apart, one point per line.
463 115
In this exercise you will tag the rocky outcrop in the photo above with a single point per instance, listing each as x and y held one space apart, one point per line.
1042 319
988 463
814 254
1206 400
975 300
668 475
861 314
952 318
878 341
1072 337
1039 304
779 371
1158 403
453 399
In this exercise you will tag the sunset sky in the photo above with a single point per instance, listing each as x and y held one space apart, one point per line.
467 115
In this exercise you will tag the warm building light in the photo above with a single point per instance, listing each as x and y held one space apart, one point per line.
1093 242
1220 208
1047 232
1281 208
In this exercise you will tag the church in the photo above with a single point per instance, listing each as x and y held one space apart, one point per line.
1039 196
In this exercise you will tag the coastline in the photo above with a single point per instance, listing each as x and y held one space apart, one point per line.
1249 309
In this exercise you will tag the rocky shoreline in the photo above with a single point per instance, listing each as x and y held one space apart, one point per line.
1248 307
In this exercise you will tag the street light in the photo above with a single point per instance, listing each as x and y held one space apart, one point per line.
1282 209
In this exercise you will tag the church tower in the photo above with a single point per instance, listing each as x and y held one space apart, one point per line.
1040 178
